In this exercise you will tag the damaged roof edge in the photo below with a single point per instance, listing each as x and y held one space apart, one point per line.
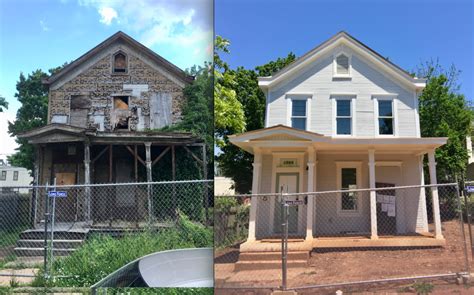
121 35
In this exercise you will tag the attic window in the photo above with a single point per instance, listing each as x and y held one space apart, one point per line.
342 65
120 63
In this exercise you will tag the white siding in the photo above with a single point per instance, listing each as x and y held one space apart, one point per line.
366 81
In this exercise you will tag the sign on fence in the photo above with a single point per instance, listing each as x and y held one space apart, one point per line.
56 194
294 202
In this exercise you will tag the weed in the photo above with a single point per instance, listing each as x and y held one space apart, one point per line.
14 283
423 287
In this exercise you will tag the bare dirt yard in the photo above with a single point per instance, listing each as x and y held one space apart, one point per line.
350 265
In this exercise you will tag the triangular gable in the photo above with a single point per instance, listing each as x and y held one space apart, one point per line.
122 37
54 133
346 39
276 133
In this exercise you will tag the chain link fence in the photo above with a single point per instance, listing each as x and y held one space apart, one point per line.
339 237
77 234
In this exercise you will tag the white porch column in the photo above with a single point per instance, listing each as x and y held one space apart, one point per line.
257 168
434 192
373 198
311 188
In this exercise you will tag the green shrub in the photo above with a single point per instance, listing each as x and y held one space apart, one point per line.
101 255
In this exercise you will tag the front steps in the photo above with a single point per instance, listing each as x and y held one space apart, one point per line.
270 260
31 243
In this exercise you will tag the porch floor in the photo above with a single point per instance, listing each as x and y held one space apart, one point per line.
272 245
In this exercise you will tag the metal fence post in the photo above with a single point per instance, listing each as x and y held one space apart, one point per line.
284 240
466 259
46 219
467 204
51 257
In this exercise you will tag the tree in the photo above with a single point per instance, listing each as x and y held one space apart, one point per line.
445 113
233 161
228 110
3 104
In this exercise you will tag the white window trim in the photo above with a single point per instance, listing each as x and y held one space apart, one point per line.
394 99
358 166
17 173
335 98
289 105
334 65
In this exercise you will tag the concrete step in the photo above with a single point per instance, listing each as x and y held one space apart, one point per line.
268 264
61 244
61 235
24 251
266 256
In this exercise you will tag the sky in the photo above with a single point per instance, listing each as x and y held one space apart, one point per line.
407 31
43 34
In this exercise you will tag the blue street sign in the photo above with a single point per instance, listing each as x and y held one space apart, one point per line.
56 194
470 188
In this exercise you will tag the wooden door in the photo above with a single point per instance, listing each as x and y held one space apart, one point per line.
386 209
66 208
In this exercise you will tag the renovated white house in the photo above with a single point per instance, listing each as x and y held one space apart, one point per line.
342 117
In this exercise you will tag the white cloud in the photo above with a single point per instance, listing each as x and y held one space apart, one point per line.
183 23
43 26
8 145
107 15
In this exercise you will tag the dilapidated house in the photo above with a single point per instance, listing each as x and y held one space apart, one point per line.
105 113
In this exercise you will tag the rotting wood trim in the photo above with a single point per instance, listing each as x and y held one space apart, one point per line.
135 155
160 156
100 154
193 155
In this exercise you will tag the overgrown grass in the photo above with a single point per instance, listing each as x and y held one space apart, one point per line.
102 254
10 236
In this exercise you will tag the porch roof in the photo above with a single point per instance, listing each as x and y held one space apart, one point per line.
282 137
57 133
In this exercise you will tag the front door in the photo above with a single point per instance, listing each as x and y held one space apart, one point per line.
66 208
386 209
288 182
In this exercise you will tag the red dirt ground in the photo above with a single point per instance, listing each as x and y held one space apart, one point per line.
349 265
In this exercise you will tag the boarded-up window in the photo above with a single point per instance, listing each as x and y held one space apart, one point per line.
342 65
160 110
120 63
80 105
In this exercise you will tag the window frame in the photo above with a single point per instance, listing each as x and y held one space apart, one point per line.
113 63
358 166
16 175
3 175
394 100
290 97
352 101
335 74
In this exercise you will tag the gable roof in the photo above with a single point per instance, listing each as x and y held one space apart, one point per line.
342 38
121 36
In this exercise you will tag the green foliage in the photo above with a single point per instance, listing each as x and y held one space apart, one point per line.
231 219
228 110
33 96
445 113
3 103
102 254
233 161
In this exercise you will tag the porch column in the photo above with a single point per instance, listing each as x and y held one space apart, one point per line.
373 197
257 168
434 192
87 179
311 188
149 179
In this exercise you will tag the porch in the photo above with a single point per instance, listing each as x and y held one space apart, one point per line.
365 192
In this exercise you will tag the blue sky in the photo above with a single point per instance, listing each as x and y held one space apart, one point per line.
42 34
407 32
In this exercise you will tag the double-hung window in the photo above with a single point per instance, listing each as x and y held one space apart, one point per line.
385 118
298 114
3 176
348 177
343 117
15 175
